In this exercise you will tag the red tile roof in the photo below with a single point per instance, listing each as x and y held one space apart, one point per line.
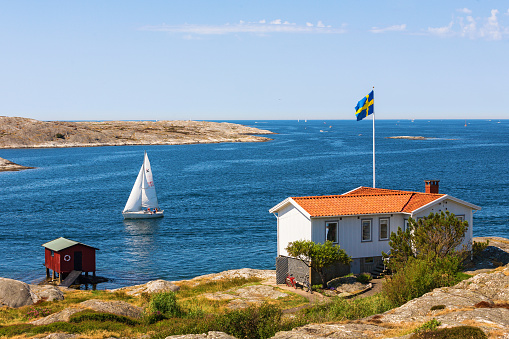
365 200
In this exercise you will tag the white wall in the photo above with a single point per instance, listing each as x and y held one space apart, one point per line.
350 233
292 226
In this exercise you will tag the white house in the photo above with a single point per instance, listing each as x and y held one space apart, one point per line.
361 220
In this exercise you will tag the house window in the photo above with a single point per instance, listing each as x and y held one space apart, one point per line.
369 260
384 229
52 253
405 224
366 229
460 217
331 231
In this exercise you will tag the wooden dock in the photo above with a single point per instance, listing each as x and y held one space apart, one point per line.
70 278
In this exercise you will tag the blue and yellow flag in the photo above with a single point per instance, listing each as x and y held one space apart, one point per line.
365 106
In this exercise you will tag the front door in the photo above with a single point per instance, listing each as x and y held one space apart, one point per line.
77 261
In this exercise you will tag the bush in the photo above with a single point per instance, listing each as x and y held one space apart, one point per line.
164 304
460 332
253 323
420 276
341 309
479 246
102 317
428 326
364 278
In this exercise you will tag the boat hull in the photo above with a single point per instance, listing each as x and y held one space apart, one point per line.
143 215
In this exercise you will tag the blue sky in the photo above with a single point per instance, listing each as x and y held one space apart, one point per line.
234 60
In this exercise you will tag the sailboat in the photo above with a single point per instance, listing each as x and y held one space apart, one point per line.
142 203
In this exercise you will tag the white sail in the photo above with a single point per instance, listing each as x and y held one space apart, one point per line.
134 201
148 191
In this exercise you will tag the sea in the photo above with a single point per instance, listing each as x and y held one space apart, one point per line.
217 197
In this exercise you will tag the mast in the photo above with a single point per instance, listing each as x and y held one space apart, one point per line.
373 140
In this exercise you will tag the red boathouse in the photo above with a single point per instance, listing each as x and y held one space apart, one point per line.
63 256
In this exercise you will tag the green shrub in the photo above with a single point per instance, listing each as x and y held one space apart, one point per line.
420 276
102 317
460 332
364 278
428 326
165 303
479 246
341 309
14 330
253 322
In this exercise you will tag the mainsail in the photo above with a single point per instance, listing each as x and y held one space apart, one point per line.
143 194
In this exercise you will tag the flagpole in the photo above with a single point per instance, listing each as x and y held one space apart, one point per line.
373 140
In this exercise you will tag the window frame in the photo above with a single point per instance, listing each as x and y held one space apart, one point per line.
460 217
327 229
370 220
405 224
380 229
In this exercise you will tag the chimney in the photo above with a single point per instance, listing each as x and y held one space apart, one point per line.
431 186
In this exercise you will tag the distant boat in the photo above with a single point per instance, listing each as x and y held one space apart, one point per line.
142 203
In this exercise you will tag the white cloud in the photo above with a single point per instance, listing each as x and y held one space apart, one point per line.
260 27
465 10
488 28
468 28
442 31
394 28
492 30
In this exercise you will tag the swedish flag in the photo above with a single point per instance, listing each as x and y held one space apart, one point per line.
365 106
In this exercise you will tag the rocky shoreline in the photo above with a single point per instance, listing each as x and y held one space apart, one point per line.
6 165
481 301
18 132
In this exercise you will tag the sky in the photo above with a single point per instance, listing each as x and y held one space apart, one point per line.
253 60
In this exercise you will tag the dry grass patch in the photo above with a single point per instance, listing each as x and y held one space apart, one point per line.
476 323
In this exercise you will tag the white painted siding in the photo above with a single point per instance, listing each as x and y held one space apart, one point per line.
292 226
350 234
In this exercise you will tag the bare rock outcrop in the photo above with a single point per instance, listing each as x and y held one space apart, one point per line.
63 315
246 273
18 132
6 165
247 296
155 286
45 293
322 331
115 307
14 293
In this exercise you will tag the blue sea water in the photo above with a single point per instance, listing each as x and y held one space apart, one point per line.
216 197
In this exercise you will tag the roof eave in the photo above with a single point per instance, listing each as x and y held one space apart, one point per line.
442 198
290 201
357 215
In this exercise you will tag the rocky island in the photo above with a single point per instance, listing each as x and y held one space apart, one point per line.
29 133
6 165
16 132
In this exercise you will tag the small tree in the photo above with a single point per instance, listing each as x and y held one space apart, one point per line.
318 256
436 236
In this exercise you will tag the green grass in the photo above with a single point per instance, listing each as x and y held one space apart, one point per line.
348 309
